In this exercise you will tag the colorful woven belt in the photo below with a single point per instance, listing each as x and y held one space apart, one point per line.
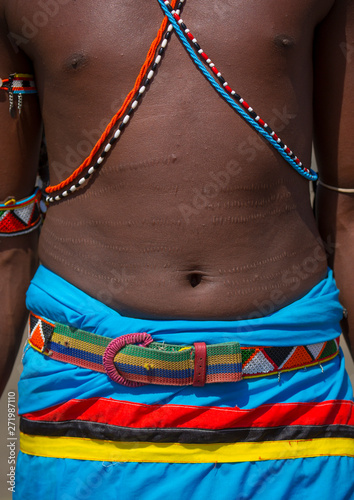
165 364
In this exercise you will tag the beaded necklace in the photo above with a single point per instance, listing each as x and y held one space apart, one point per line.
140 89
201 59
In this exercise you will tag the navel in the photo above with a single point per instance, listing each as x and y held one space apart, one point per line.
194 279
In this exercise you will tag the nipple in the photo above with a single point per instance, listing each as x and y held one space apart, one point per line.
76 61
283 40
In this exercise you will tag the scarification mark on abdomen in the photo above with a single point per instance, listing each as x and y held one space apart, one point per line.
244 219
257 263
151 221
237 290
94 242
259 202
254 187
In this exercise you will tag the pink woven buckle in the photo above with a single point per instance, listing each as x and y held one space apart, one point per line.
144 339
200 356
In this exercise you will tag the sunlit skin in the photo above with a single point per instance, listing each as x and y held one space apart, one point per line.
193 215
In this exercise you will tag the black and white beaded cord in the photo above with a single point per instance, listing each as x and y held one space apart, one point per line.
294 160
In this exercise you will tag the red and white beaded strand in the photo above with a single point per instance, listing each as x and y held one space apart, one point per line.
125 120
208 62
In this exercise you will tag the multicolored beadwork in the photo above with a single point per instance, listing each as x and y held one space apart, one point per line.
165 364
148 79
20 217
18 84
308 173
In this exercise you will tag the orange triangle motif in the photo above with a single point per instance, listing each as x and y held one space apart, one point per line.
36 337
299 358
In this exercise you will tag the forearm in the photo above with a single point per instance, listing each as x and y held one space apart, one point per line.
18 262
336 225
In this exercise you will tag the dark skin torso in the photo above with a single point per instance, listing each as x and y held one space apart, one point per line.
138 238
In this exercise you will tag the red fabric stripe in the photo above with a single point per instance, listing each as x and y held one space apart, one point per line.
261 122
203 54
215 70
228 88
190 36
137 415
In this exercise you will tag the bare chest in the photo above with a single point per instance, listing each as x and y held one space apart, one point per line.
70 37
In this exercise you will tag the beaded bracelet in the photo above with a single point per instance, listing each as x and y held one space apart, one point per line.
20 217
18 84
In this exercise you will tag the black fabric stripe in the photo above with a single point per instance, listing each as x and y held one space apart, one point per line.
94 430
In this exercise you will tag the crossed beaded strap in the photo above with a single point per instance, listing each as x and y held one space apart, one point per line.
144 73
234 99
252 117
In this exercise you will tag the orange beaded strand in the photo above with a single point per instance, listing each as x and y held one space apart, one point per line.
120 112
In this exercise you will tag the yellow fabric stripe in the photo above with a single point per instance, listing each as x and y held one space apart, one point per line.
95 449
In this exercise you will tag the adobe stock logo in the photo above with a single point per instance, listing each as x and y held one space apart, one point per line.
47 9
